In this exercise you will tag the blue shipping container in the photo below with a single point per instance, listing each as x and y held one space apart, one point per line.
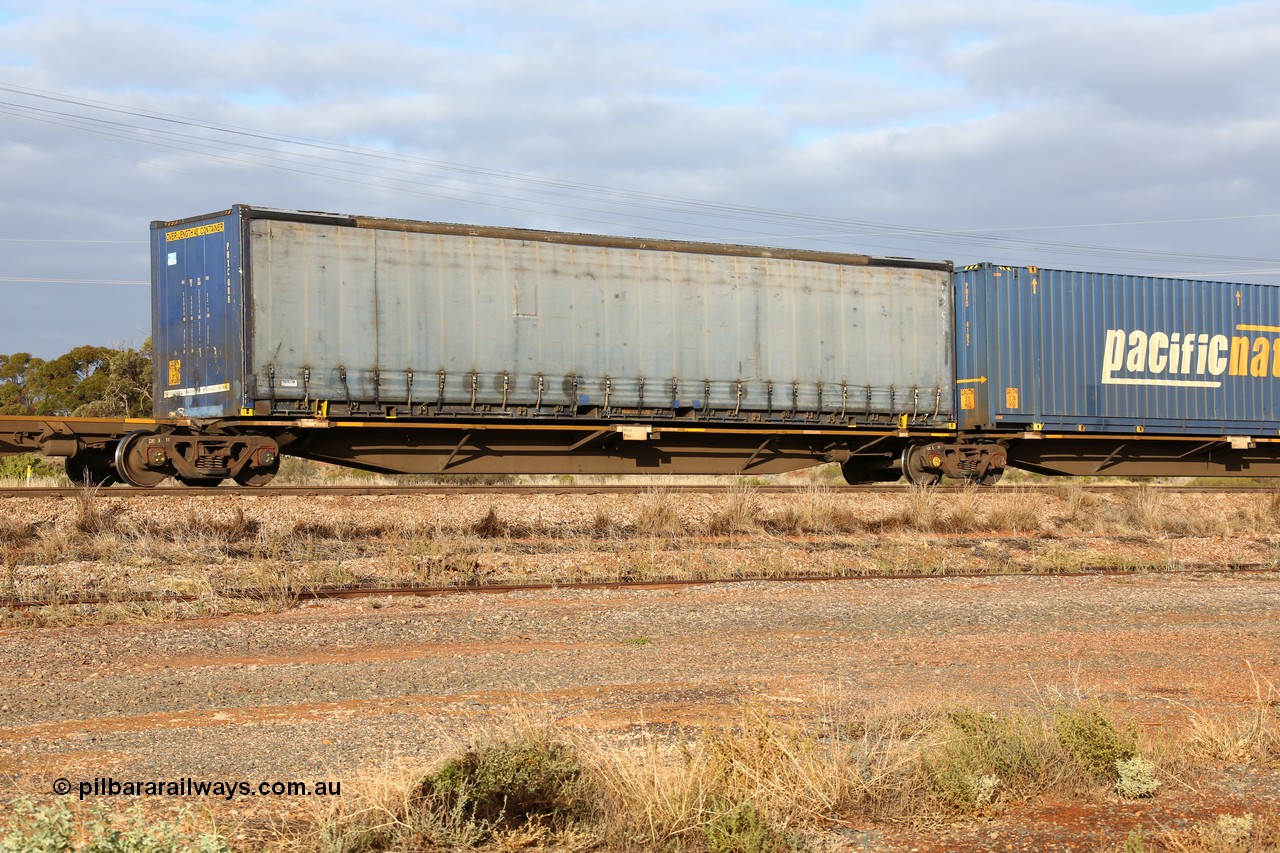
197 317
1098 352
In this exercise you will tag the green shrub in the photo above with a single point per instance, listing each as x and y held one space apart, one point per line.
15 467
1136 777
47 828
741 829
1093 741
982 759
1133 842
512 783
53 829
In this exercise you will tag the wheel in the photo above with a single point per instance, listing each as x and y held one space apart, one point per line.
131 463
259 476
92 468
916 468
198 482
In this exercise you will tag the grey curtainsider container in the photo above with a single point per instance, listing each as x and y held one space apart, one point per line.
1087 352
285 312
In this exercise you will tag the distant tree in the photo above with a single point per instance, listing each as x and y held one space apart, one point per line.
70 380
125 388
17 372
88 381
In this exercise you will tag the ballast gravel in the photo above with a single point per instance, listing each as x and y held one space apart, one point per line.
344 690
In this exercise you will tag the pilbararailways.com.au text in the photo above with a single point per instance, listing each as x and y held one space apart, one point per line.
227 789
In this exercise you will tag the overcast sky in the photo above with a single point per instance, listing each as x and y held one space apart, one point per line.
1128 136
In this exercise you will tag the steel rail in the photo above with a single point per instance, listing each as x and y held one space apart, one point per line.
575 489
299 596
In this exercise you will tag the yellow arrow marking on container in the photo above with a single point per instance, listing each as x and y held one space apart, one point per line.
979 380
1247 328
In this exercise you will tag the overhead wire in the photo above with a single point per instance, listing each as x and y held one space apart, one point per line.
493 188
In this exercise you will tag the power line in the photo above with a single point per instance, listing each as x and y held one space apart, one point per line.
36 280
1123 224
69 240
473 185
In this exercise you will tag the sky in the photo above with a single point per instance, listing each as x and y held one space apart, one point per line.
1137 137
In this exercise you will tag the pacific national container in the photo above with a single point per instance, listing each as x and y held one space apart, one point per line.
258 310
1098 352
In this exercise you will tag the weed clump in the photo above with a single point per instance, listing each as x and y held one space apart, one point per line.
55 828
738 515
1093 741
510 784
1136 778
659 517
602 525
985 758
238 528
15 531
816 510
494 526
741 829
90 517
1012 509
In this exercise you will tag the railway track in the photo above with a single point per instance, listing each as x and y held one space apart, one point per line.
525 489
300 596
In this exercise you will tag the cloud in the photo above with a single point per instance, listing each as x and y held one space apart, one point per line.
1184 69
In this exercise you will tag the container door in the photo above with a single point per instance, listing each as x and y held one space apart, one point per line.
998 346
973 410
197 317
1018 397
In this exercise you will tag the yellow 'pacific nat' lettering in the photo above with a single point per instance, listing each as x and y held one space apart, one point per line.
1187 359
1261 357
1239 356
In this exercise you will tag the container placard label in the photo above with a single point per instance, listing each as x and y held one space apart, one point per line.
191 392
198 231
175 371
968 398
1011 398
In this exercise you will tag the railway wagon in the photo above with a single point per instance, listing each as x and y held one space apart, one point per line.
404 346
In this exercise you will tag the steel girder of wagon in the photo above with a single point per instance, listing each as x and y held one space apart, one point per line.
248 449
581 448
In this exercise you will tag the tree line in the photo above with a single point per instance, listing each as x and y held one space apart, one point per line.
88 381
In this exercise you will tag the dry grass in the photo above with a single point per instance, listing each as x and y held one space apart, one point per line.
104 545
763 783
816 510
1015 510
738 514
494 527
1262 516
659 515
1225 833
973 509
1250 736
